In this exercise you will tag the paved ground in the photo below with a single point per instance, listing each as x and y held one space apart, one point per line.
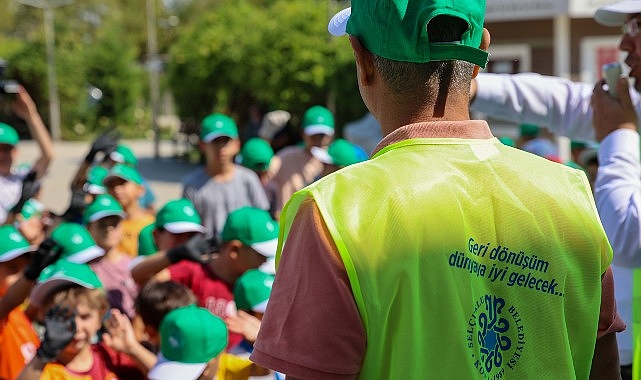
163 174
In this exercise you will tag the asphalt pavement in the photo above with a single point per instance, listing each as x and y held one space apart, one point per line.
163 173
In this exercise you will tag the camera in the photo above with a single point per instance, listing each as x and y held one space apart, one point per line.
7 86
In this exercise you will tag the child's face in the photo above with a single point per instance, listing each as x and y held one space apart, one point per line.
10 272
88 323
221 149
107 231
125 192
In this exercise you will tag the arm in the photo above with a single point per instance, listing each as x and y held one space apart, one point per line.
121 337
605 362
559 104
152 267
25 108
617 187
285 342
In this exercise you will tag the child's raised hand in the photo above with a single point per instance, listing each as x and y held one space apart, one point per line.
120 333
60 328
245 324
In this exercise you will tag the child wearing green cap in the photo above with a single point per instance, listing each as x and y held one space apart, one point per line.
249 240
339 154
11 182
103 219
221 186
125 184
298 167
74 304
20 265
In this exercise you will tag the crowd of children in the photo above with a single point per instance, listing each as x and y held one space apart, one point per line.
115 288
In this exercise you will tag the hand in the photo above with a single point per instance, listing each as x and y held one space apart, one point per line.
192 250
60 328
106 143
30 187
245 324
47 253
120 333
611 114
76 206
23 106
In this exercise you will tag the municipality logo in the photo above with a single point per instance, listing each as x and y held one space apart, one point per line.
495 337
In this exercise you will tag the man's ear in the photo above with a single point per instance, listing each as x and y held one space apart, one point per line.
233 248
364 62
485 44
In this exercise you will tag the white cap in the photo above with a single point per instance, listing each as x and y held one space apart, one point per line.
615 14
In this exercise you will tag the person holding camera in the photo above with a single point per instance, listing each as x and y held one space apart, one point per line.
11 181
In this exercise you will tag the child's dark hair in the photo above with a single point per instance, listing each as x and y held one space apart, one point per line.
156 299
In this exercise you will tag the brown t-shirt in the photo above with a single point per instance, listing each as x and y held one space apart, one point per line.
312 328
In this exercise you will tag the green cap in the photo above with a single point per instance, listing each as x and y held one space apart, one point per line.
32 208
253 227
397 29
529 130
178 216
61 274
217 125
340 153
124 155
318 120
103 206
77 244
146 244
190 336
256 154
12 243
125 172
95 178
506 140
252 290
8 135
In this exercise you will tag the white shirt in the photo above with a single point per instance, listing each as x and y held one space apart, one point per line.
564 108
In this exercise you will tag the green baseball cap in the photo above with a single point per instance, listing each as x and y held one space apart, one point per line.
253 227
146 244
124 155
103 206
61 274
256 154
318 120
340 153
95 177
529 130
252 290
397 29
125 172
506 140
12 243
190 336
217 125
32 208
77 244
8 135
178 216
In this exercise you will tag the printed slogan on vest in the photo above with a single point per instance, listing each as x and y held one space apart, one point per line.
515 269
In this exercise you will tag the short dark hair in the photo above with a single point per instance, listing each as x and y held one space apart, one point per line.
156 299
423 79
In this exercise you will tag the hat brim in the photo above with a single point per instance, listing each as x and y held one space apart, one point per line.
322 155
103 214
10 255
266 248
117 156
338 24
43 289
318 129
181 227
615 14
214 135
269 266
165 369
94 189
110 177
86 255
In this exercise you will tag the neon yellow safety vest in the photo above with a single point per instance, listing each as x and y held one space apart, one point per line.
467 260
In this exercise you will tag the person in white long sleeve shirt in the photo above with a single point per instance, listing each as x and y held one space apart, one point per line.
586 112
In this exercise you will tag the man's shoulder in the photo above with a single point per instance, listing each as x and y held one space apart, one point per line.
290 152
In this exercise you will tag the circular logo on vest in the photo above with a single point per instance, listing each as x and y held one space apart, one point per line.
495 337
